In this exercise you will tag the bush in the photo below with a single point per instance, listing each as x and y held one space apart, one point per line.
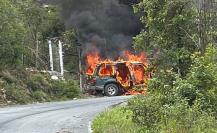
155 115
6 76
17 94
68 89
146 110
181 104
24 87
71 90
180 118
200 83
38 82
43 89
40 96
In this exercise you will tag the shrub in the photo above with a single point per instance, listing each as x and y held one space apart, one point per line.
68 89
180 104
71 90
40 96
17 94
180 118
25 87
155 115
146 110
163 82
6 75
200 83
38 82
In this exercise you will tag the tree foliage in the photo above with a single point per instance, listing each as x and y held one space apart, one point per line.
25 26
181 95
176 104
170 33
12 33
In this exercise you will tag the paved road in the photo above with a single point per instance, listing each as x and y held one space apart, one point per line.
59 117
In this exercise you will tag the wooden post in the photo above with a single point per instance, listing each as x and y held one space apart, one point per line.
200 4
80 67
37 54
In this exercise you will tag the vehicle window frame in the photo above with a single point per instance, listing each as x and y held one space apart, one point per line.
98 70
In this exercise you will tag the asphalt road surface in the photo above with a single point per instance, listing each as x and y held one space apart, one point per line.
57 117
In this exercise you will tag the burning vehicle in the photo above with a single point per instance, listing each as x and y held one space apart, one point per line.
117 77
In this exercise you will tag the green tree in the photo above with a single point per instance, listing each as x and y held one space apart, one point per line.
71 58
170 33
12 33
41 22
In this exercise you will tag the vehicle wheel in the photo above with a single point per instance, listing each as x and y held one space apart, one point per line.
111 90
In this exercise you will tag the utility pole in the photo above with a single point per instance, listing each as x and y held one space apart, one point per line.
61 59
50 55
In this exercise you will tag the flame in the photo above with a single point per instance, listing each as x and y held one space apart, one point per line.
92 60
106 70
139 73
123 76
133 65
136 92
136 58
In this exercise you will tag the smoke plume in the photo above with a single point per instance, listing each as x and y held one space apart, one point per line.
105 25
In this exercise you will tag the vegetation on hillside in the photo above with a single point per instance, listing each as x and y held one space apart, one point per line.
181 95
28 87
24 29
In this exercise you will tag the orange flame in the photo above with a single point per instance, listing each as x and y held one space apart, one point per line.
139 73
92 60
122 73
106 70
136 58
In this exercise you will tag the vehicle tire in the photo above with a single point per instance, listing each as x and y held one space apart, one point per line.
111 90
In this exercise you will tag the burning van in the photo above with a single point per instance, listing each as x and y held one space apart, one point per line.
115 77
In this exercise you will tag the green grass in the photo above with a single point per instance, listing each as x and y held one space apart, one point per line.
117 120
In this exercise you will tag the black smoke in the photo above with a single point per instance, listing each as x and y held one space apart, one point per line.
104 25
